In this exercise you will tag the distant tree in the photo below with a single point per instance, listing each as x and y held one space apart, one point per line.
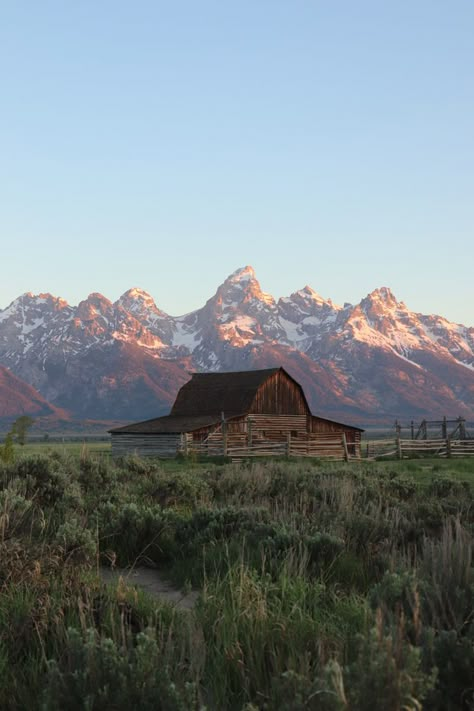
7 452
20 428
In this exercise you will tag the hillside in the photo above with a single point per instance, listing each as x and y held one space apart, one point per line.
18 398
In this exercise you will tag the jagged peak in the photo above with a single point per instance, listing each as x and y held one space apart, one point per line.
307 292
383 293
95 303
136 300
381 304
243 274
96 296
41 298
35 300
310 298
241 285
29 295
381 299
136 293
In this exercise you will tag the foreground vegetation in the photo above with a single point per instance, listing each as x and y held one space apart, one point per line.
322 586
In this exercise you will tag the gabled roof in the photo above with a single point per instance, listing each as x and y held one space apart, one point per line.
214 393
335 422
202 400
168 425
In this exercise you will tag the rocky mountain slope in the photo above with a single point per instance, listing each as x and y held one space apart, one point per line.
373 360
18 398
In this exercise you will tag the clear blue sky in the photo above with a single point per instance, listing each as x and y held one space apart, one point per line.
165 144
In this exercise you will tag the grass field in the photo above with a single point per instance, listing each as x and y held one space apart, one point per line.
74 448
321 586
422 469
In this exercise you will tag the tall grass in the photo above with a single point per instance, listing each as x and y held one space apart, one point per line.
322 586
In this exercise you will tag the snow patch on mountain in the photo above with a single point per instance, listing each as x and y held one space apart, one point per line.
470 366
242 275
185 336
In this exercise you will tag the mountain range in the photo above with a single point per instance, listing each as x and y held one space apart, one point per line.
369 362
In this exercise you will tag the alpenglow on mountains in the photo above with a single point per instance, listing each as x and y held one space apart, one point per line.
373 361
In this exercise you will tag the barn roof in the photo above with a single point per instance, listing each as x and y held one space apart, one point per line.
203 399
335 422
168 424
214 393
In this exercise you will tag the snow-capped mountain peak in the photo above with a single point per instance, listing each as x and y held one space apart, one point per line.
365 355
140 302
308 293
136 294
243 284
241 275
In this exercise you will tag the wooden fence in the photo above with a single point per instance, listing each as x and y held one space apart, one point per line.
410 448
237 446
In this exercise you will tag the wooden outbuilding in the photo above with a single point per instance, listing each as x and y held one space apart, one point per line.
248 413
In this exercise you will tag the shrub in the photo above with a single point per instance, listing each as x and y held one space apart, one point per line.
453 654
76 541
15 513
387 668
48 481
7 452
96 673
96 474
443 485
184 490
136 532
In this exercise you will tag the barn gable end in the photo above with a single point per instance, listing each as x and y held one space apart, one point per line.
279 394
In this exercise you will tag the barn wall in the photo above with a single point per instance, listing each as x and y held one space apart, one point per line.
268 425
318 424
279 395
353 436
145 445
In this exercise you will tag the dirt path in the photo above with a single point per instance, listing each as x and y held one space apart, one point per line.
153 583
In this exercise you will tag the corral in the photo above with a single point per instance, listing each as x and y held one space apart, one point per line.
241 414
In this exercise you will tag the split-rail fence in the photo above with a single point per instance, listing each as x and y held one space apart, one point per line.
238 446
410 448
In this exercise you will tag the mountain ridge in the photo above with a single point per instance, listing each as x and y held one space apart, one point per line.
127 359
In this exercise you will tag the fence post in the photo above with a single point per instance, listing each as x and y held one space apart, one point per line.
224 438
249 432
344 445
448 446
444 427
184 442
399 447
288 444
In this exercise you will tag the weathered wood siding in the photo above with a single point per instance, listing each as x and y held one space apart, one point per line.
319 424
145 445
353 436
279 395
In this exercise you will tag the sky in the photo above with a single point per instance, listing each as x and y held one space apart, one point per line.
165 144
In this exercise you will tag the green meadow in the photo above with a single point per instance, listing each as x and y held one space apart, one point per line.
320 586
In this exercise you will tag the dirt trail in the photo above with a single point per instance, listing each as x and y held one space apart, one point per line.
153 583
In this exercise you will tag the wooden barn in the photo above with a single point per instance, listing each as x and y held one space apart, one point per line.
249 413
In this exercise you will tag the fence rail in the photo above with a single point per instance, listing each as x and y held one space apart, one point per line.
408 448
237 446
